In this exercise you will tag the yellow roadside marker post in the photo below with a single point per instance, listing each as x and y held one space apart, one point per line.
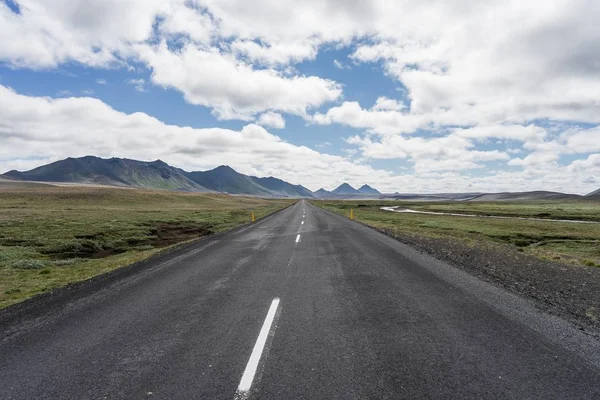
351 213
252 216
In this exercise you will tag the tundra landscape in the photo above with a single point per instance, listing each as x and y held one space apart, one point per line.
227 199
51 236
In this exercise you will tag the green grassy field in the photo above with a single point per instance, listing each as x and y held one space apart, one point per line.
52 236
563 241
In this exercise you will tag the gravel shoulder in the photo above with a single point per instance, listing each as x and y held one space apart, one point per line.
571 292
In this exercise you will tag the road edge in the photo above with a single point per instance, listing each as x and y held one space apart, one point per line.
583 341
547 307
39 304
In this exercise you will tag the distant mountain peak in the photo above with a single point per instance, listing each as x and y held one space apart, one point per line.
322 193
366 189
344 188
224 168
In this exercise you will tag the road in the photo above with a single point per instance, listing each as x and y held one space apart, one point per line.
358 316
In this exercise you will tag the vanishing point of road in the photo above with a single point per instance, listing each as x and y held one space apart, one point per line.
303 304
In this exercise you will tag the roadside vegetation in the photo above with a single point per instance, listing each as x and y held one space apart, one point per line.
572 243
51 236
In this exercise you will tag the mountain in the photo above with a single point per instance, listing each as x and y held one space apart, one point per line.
595 193
157 175
225 179
366 189
113 171
322 193
535 195
283 188
344 188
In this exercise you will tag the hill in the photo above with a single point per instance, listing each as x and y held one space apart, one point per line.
345 188
366 189
595 193
157 175
535 195
225 179
322 193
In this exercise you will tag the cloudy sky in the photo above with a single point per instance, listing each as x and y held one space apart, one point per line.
409 96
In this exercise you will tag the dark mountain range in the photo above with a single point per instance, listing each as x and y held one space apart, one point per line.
283 188
344 188
157 175
225 179
366 189
113 171
595 193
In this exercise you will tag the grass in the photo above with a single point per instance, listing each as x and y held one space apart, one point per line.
52 236
572 243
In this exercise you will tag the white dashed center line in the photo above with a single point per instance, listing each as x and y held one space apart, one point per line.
243 390
298 238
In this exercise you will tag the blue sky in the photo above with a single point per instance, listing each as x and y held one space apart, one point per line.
407 98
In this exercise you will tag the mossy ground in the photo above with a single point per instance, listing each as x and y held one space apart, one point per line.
52 236
568 242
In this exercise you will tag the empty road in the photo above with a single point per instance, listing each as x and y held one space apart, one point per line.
303 304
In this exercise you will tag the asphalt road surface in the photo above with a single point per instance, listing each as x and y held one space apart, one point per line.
303 304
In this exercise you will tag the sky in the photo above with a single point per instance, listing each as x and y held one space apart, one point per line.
407 96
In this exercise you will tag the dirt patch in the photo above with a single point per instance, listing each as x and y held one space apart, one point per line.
171 233
572 292
100 245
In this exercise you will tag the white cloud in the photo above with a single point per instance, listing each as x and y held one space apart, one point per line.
271 120
492 63
577 141
232 88
593 161
139 84
535 160
496 62
448 153
499 61
47 34
340 65
386 104
103 33
529 133
288 20
275 54
187 19
380 120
